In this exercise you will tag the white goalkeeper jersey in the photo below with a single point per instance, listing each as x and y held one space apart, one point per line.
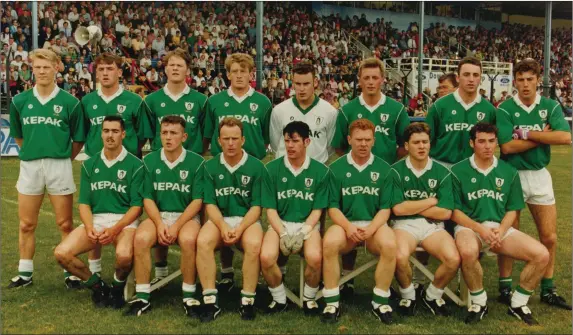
320 117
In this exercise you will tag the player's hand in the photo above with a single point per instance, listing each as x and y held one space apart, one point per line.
285 243
92 234
499 232
489 235
108 235
162 234
547 128
227 235
520 134
234 235
353 234
172 233
367 232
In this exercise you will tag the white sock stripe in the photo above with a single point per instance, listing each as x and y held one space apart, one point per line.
331 292
227 270
381 293
189 287
26 265
143 288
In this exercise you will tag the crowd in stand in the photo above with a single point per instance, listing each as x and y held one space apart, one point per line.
144 32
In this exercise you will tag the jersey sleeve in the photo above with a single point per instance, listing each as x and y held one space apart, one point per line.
457 192
198 182
445 194
504 125
265 123
397 193
84 197
515 197
15 122
152 118
256 196
334 190
209 120
401 124
147 191
142 122
208 187
321 194
274 131
78 130
269 192
386 192
556 120
341 131
136 182
432 121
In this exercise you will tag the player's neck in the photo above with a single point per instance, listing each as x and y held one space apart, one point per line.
467 97
372 100
45 91
173 155
176 88
109 91
111 154
240 92
359 160
298 162
232 161
483 163
526 101
419 164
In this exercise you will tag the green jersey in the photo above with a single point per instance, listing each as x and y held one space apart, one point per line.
450 121
129 106
389 117
360 191
172 186
189 105
434 181
111 186
234 190
253 110
486 195
513 114
47 126
294 194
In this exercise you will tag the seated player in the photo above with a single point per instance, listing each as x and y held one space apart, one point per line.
110 205
232 194
359 205
421 200
487 195
172 198
295 191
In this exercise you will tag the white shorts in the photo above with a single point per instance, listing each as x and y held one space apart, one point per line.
169 218
361 224
53 174
107 220
537 187
419 228
293 227
235 221
489 224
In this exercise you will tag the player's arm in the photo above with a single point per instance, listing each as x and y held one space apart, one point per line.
77 129
274 130
443 209
265 124
210 201
507 144
339 140
432 119
334 211
254 212
320 200
402 207
195 205
514 204
136 201
458 216
16 125
269 201
560 132
148 195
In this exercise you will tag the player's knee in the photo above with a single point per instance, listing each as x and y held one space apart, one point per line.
388 247
468 253
548 240
314 259
142 242
65 224
542 257
402 257
188 242
28 225
452 261
330 247
124 258
62 255
205 243
267 260
252 246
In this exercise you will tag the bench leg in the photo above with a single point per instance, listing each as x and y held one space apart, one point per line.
129 289
290 294
460 300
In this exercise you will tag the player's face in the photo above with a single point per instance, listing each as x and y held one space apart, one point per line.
176 70
469 78
112 135
361 142
418 146
526 84
484 145
304 86
444 88
172 136
295 146
108 74
44 71
231 140
240 76
371 80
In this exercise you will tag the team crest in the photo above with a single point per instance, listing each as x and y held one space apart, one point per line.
432 183
318 120
498 182
58 109
374 176
121 109
384 117
480 116
307 182
253 106
360 116
189 105
543 113
245 180
121 174
183 174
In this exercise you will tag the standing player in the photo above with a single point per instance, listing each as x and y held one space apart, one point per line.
295 191
253 109
528 125
359 206
47 124
422 200
487 195
175 98
172 192
232 194
111 99
110 205
447 84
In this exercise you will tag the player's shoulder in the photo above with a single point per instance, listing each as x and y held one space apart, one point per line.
444 101
506 168
460 166
399 165
484 103
214 161
340 161
318 166
393 104
351 105
22 98
326 107
548 103
193 157
221 96
196 95
254 162
439 167
151 157
155 95
133 160
273 164
285 105
261 98
131 95
67 98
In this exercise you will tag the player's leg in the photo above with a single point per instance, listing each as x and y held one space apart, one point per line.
227 281
405 246
334 244
123 264
312 249
521 246
469 247
208 240
271 272
251 242
145 238
383 244
187 240
94 259
505 265
160 253
442 246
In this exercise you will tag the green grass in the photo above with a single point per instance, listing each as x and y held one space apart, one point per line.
47 307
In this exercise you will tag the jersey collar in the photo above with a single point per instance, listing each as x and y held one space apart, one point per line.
119 158
522 105
179 159
359 167
419 173
241 99
372 108
458 98
110 98
302 168
484 172
309 108
178 96
52 95
232 169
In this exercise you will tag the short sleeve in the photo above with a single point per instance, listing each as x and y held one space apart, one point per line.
265 123
341 131
445 196
556 120
78 130
432 121
85 191
257 187
386 192
147 191
457 192
208 187
397 193
143 123
15 122
321 193
334 190
515 197
209 123
504 125
269 191
136 182
198 183
401 124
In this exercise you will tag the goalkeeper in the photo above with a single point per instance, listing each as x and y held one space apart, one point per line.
295 191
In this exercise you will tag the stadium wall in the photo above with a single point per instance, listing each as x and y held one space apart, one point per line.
536 21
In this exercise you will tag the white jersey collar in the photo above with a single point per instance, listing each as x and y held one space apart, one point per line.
230 168
179 159
173 97
302 168
523 106
360 168
119 158
111 97
47 99
418 173
458 98
232 94
380 102
486 171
